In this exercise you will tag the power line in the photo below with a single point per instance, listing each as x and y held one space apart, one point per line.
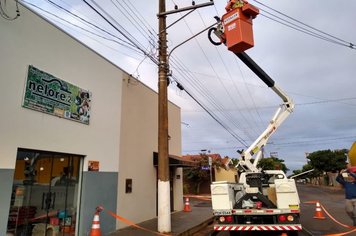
79 27
315 32
228 116
238 91
89 23
127 36
351 44
305 31
132 40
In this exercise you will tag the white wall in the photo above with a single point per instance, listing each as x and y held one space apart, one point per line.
30 40
139 139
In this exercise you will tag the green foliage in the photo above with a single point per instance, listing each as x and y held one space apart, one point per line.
272 163
234 161
327 160
324 161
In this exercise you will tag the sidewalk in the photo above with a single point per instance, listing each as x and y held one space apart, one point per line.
183 223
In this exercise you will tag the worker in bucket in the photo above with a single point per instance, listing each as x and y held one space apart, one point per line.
348 180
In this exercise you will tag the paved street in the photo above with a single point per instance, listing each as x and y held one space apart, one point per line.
333 201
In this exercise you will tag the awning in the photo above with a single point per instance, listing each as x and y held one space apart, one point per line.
174 161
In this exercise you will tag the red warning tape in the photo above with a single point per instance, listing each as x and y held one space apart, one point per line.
332 218
204 198
128 222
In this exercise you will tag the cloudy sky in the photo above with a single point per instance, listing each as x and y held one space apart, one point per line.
309 59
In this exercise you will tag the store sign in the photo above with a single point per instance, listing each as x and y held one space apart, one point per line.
48 94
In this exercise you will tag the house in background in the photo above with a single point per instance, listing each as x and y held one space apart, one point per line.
226 173
199 183
76 132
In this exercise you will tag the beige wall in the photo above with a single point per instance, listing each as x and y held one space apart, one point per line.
123 125
139 139
29 40
225 175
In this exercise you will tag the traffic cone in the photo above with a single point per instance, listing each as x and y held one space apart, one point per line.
95 227
318 213
187 205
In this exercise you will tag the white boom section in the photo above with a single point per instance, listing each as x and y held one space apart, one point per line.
256 147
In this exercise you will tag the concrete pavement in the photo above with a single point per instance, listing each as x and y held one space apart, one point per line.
183 223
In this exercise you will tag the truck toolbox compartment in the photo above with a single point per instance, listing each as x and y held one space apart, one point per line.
223 194
286 193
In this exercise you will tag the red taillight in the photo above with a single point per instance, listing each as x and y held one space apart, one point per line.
282 218
228 219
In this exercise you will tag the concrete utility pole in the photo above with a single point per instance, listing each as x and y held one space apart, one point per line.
164 206
164 203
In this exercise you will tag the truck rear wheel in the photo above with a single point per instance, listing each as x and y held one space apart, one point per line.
235 233
293 233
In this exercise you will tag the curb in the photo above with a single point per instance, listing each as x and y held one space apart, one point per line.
196 228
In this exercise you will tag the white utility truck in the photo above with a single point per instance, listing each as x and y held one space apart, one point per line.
262 200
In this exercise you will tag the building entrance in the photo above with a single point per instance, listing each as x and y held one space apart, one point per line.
44 199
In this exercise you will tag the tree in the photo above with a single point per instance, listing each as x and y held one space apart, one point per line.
327 160
272 163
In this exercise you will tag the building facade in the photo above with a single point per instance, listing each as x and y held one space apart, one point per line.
138 145
73 133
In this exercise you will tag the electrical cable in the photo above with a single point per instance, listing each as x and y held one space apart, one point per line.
77 26
89 23
127 37
229 116
237 90
321 34
300 22
217 120
306 32
117 29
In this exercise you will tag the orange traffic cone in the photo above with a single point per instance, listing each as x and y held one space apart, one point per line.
318 213
95 227
187 205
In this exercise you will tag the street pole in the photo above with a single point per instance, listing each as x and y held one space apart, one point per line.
164 207
164 203
211 166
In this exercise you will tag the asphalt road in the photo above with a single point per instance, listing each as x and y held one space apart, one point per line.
332 199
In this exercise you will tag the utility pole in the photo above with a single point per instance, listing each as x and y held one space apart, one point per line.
164 206
164 203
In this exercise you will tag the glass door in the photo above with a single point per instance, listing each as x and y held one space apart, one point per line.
45 192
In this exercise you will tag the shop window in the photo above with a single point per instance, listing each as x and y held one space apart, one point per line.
45 193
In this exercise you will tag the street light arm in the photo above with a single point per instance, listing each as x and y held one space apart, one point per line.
187 40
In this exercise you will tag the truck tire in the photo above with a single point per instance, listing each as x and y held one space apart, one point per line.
293 233
235 233
214 233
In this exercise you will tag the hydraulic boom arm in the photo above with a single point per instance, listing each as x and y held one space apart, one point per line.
255 150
